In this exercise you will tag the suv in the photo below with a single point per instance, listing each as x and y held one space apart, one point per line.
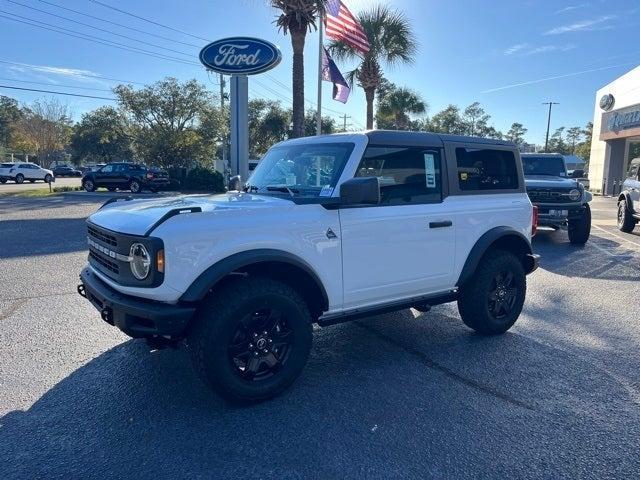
629 199
66 171
20 172
328 229
563 202
125 176
5 168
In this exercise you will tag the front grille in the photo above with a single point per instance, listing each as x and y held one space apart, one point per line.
108 264
549 196
102 236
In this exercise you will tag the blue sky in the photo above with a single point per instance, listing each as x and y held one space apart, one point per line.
510 56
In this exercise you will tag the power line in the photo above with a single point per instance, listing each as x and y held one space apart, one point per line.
100 29
77 12
149 21
77 74
55 85
91 38
56 93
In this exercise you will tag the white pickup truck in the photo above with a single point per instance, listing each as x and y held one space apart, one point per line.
327 229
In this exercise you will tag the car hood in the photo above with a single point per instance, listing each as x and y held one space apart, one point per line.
139 217
546 181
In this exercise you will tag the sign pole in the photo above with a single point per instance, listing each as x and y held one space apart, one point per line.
319 112
240 126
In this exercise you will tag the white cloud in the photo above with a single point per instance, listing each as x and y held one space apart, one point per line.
570 8
515 48
525 49
592 24
75 73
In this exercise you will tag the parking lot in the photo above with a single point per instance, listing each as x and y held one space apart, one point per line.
12 187
404 395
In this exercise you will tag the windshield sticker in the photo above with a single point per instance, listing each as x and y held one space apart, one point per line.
430 170
290 179
562 174
326 192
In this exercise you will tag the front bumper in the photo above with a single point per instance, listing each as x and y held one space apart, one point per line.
136 317
549 216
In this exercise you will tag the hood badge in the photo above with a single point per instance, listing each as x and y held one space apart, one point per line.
330 235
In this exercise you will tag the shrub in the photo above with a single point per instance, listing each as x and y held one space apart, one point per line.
204 179
67 189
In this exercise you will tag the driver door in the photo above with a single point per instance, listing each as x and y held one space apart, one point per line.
104 176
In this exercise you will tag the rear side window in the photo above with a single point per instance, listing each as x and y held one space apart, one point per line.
406 175
486 169
6 165
633 170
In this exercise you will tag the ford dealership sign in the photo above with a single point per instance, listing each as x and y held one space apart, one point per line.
240 56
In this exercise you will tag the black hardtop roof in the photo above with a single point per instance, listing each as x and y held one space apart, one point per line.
549 155
402 137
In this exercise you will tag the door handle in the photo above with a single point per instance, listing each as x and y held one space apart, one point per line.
442 224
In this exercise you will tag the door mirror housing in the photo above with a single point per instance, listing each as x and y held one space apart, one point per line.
360 191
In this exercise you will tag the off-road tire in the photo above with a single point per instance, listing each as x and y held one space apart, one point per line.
89 185
135 186
19 178
219 317
580 229
474 299
626 222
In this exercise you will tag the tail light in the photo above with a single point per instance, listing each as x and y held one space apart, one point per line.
149 175
534 221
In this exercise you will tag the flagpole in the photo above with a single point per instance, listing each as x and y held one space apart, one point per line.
319 111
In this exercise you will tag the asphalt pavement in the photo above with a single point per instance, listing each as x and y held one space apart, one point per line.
404 395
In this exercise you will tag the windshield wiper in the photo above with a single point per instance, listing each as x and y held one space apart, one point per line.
284 189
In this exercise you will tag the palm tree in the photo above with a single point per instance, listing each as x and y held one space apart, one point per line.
297 18
399 103
391 41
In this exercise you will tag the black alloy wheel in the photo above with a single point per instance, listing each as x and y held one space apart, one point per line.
134 186
502 295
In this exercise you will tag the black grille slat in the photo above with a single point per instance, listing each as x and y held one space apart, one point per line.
104 262
102 236
549 196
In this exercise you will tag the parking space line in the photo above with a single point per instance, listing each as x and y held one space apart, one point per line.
617 236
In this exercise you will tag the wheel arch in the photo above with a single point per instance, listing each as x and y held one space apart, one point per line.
280 265
505 238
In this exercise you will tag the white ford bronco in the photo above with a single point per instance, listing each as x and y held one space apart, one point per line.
327 229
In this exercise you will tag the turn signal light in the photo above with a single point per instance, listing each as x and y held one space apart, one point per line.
149 175
160 261
534 221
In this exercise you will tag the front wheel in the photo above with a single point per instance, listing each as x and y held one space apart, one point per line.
491 301
251 339
580 229
88 185
19 178
626 222
135 186
48 178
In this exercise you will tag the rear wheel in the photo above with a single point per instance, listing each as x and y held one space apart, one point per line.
88 185
580 229
135 186
19 178
626 222
48 178
492 299
251 339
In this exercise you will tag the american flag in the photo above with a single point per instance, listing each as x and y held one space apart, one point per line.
343 26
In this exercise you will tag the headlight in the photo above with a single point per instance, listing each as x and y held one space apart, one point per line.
575 194
140 261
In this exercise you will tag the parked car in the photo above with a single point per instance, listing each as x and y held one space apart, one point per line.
563 202
125 176
5 168
30 171
329 229
629 198
66 171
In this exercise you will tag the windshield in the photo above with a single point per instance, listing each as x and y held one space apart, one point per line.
544 166
310 170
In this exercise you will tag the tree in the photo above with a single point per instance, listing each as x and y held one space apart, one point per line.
391 42
557 143
9 115
583 150
516 133
310 127
164 118
447 121
476 119
573 136
297 18
102 136
397 104
269 123
44 127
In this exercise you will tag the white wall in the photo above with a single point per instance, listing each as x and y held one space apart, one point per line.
626 91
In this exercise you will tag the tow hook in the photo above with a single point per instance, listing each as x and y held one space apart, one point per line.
107 315
81 291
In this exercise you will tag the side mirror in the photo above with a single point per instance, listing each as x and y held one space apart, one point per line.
361 190
235 183
577 174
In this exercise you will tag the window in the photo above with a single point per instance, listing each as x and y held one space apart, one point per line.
308 169
106 169
633 170
406 175
6 165
122 167
486 169
551 165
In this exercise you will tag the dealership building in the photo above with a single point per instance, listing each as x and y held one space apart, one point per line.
616 128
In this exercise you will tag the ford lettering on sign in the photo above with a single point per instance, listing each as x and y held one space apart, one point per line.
240 56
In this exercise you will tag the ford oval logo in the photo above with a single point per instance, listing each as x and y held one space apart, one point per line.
240 56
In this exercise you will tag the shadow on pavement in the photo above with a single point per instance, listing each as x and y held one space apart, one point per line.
392 397
40 236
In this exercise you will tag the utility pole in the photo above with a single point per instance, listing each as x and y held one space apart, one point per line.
224 140
344 122
546 140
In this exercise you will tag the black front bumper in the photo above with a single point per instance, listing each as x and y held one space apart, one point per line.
136 317
546 219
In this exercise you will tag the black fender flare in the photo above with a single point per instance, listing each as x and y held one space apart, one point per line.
212 275
502 235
